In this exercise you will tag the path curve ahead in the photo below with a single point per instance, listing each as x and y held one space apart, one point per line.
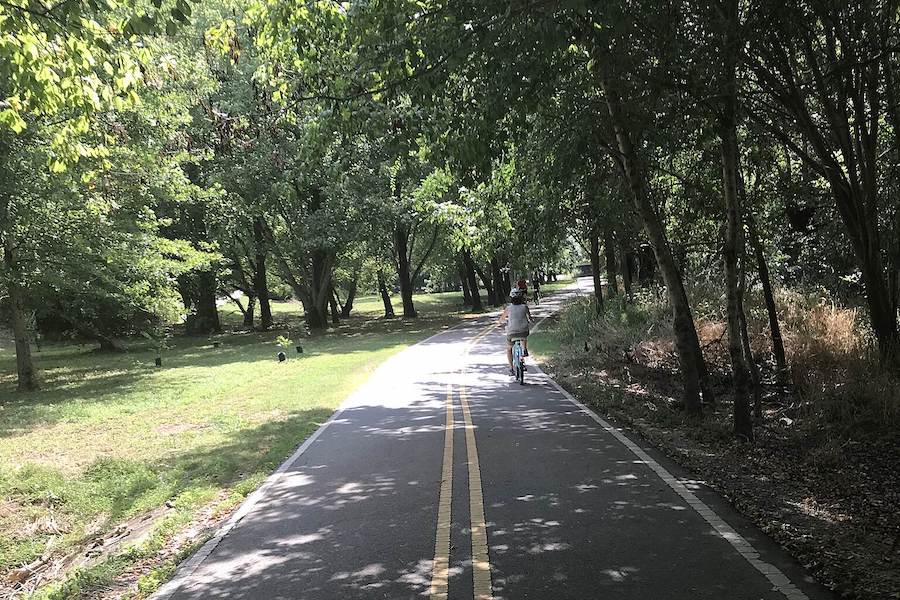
442 478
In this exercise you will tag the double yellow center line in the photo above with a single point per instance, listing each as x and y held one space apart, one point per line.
481 566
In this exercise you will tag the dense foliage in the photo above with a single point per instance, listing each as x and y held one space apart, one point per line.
157 158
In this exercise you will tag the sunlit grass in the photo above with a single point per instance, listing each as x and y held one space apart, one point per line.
111 435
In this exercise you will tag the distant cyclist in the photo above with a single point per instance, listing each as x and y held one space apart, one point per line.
518 323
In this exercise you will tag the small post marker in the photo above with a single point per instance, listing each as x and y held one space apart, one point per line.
158 361
281 357
299 349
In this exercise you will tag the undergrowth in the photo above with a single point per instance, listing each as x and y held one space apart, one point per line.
838 387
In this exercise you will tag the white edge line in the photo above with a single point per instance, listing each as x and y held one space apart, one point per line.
779 580
188 567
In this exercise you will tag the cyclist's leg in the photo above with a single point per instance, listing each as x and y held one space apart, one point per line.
509 352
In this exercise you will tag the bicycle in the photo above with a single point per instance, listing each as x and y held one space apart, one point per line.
518 353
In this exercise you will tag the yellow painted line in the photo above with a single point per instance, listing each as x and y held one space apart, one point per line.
441 569
481 564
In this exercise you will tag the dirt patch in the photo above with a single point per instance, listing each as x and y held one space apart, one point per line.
169 556
51 567
176 428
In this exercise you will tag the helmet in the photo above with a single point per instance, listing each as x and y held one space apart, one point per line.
516 293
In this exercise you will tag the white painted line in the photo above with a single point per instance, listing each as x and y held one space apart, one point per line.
188 567
779 580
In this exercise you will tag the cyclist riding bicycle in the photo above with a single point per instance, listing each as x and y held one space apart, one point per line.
518 324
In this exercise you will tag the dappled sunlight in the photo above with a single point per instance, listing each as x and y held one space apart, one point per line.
330 523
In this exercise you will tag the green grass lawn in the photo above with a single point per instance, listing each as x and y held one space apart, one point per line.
111 436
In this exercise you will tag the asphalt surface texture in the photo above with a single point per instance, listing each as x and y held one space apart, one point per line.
569 509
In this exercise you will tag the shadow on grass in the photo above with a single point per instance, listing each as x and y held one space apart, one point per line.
114 489
74 377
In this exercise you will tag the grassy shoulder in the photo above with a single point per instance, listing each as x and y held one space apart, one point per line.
111 437
822 471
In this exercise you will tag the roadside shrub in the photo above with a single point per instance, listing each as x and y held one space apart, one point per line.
835 371
835 377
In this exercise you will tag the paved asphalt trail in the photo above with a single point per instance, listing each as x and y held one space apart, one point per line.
570 511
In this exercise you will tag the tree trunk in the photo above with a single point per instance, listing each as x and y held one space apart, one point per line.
473 281
385 296
205 315
316 318
260 278
351 296
248 313
488 286
690 356
320 289
595 270
755 377
401 245
627 260
27 376
609 248
781 368
335 312
463 281
733 249
497 276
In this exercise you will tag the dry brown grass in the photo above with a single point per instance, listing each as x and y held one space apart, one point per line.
834 366
835 376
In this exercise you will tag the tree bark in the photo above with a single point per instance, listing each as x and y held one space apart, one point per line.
488 286
27 376
781 368
205 317
385 296
595 270
260 277
401 247
351 296
733 248
690 356
627 260
248 312
609 248
497 276
755 377
473 281
463 281
335 312
320 289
